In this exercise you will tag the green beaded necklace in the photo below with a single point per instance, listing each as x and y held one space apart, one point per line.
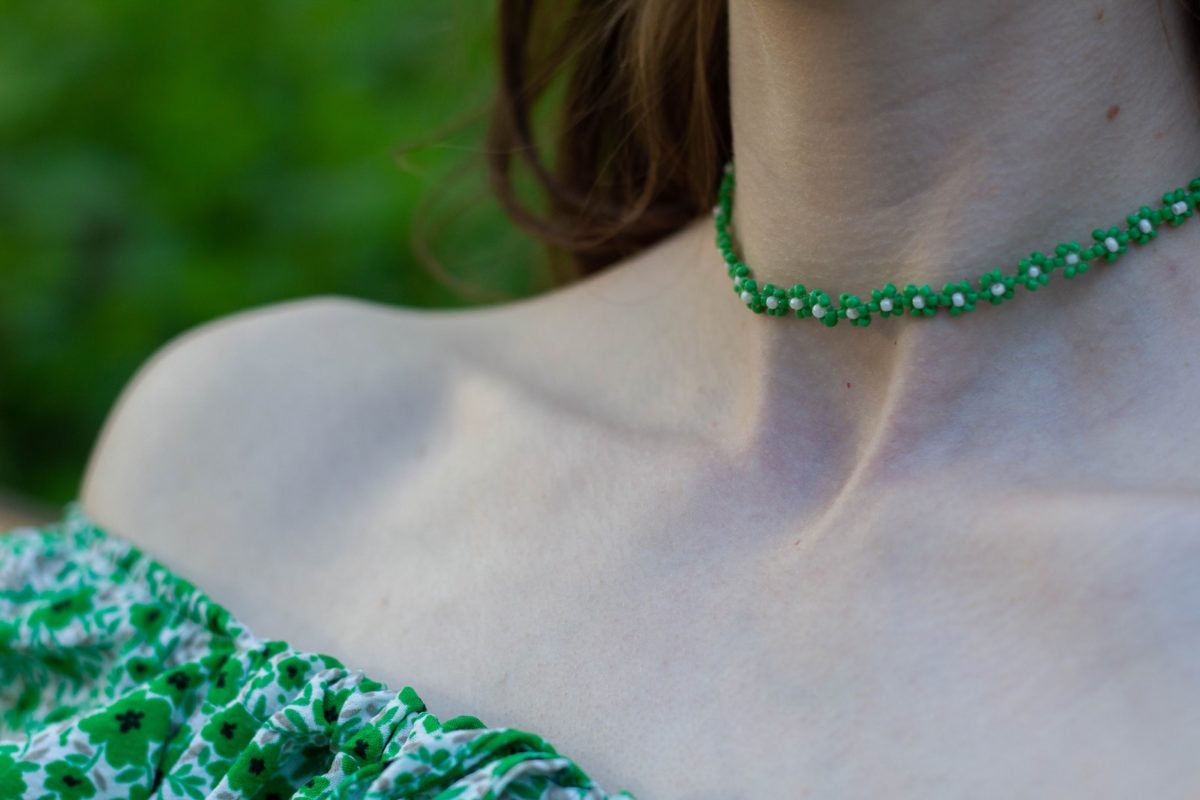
994 286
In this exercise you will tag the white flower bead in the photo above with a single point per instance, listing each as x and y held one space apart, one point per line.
747 297
796 303
1072 259
851 313
1034 272
1144 226
918 301
1179 208
1112 244
772 302
997 289
958 299
818 310
885 304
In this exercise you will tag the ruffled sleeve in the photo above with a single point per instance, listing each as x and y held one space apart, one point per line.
120 679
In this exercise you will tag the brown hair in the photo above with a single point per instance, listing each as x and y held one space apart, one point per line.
643 127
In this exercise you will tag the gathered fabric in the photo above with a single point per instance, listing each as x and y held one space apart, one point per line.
121 679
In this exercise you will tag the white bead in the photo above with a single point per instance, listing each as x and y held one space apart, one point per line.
918 301
818 310
1112 244
1072 258
747 297
997 289
1034 272
729 168
772 302
958 299
1179 208
795 303
885 304
851 313
1144 226
716 211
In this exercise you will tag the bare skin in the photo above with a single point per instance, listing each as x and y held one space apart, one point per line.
709 554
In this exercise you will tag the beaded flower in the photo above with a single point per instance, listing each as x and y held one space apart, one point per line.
822 308
774 299
920 300
1034 271
798 300
851 307
1070 256
1113 242
1141 225
1179 205
996 286
888 301
958 297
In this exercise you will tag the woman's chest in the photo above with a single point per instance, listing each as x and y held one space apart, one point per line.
679 653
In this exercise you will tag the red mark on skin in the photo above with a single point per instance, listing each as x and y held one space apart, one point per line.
1112 112
1158 134
1099 15
847 384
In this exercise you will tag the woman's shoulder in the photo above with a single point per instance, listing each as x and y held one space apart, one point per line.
226 405
225 398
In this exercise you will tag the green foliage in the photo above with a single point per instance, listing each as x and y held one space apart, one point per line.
162 164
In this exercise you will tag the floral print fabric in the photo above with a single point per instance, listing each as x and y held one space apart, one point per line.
120 679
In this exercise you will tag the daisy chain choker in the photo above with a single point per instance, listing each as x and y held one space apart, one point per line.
994 286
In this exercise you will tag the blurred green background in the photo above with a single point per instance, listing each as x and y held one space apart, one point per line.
162 164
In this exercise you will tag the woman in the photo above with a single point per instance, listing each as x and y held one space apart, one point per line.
711 553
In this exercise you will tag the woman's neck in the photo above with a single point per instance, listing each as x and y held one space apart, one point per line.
928 140
925 141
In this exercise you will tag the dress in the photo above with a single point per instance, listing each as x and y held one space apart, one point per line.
121 679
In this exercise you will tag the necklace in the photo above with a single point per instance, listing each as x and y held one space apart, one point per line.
994 286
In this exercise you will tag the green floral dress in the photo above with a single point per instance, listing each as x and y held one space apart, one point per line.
120 679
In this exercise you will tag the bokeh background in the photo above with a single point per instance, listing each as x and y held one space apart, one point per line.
162 164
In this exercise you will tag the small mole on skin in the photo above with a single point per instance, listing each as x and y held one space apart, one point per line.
1099 15
1113 111
847 384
